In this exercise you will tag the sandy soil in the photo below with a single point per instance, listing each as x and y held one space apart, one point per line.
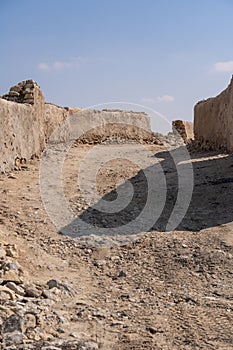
156 290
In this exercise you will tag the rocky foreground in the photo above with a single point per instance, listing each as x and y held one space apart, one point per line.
160 290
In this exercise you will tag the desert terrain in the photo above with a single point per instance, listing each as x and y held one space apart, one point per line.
155 289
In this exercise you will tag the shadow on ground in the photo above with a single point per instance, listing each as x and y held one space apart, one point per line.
211 199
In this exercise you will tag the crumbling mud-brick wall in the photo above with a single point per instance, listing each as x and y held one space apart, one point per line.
27 123
95 126
213 121
184 129
23 92
56 117
21 125
98 126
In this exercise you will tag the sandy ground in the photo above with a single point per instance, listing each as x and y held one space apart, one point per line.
152 290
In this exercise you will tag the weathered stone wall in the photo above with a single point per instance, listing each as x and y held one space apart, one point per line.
27 123
97 126
94 126
54 117
213 121
23 92
184 129
21 130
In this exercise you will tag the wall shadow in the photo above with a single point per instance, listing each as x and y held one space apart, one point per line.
211 202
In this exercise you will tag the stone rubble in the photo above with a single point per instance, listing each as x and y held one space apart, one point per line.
184 129
157 290
26 309
22 93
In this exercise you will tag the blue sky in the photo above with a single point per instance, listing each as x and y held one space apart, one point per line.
164 55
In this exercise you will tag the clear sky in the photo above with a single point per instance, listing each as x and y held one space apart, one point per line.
162 54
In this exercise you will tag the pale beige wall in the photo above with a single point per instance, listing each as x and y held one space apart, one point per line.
99 125
25 128
21 132
184 129
213 121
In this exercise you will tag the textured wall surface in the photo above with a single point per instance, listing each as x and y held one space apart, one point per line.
96 126
91 126
185 129
21 131
27 123
55 117
213 121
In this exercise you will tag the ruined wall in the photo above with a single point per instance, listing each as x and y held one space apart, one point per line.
97 126
22 93
21 128
55 116
213 121
27 123
184 129
94 126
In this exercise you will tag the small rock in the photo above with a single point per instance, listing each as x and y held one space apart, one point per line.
119 275
15 338
17 289
32 291
116 323
29 86
115 258
10 265
90 345
12 177
13 93
29 100
99 263
53 283
152 330
2 253
12 324
15 88
68 289
62 286
187 298
11 251
74 335
60 330
6 294
28 95
122 274
51 293
11 276
29 321
99 313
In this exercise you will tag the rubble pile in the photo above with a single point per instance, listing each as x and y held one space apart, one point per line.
22 92
28 319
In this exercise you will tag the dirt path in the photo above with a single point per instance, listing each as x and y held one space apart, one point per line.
160 290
